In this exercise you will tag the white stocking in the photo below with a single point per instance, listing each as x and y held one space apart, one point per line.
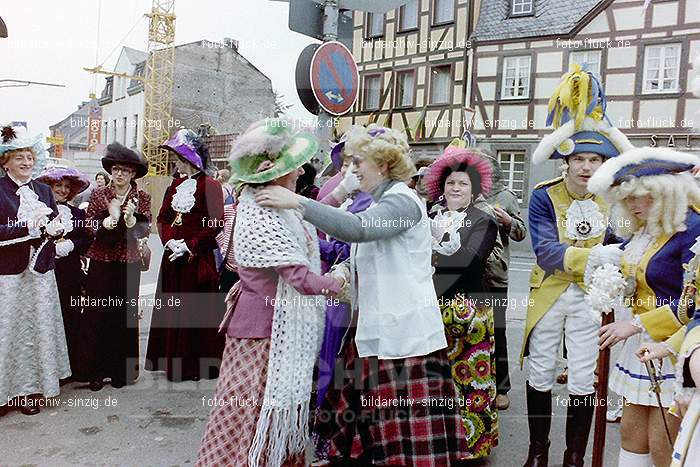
630 459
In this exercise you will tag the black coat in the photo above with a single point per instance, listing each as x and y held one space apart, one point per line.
15 257
463 271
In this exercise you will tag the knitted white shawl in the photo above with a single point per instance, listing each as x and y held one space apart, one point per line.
265 238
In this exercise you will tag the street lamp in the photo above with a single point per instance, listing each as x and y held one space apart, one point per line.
19 83
3 28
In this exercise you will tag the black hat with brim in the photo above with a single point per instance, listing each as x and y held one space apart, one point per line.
120 154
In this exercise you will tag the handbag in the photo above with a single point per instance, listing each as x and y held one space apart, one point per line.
144 254
231 301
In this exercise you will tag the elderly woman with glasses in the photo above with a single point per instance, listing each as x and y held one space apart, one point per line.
120 216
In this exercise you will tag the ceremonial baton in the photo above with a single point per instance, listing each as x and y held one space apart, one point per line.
600 421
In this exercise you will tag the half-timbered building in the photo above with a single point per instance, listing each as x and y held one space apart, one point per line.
413 70
642 55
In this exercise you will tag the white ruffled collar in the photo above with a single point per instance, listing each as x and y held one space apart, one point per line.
638 245
66 217
30 206
183 199
447 222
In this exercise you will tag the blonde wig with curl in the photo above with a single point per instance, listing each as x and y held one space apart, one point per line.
671 194
390 148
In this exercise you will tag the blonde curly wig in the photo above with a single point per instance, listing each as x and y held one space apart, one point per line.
671 194
390 148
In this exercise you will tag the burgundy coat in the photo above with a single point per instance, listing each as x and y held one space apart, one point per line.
119 244
184 324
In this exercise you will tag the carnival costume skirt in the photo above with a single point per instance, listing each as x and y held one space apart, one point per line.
237 401
110 322
392 412
630 379
183 340
33 351
471 350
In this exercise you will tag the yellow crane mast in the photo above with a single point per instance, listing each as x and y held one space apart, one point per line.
158 84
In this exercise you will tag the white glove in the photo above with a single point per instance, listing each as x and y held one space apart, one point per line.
114 209
173 244
112 220
54 228
64 248
606 254
178 248
129 218
347 185
36 224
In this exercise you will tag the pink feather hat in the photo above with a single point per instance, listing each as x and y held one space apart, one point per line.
452 158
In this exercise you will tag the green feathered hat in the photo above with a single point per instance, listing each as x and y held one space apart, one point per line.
269 149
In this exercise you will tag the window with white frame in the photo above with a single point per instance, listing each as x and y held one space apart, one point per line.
440 85
587 57
373 84
662 65
522 7
516 77
408 15
444 11
405 84
375 23
513 166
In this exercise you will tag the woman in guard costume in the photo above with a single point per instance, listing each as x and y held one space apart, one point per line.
652 194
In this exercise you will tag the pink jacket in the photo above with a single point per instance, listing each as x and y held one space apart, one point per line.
252 317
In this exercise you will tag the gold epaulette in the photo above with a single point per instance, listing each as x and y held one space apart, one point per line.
549 182
695 207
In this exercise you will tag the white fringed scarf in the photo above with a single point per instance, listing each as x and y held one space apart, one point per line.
265 238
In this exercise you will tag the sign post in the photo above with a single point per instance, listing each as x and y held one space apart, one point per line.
333 13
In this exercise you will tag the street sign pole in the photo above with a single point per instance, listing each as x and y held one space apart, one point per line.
324 129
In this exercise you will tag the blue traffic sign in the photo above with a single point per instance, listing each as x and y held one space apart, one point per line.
334 78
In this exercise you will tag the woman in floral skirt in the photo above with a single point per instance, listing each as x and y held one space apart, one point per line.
463 237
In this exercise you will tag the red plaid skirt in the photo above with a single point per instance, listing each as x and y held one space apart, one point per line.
393 412
237 401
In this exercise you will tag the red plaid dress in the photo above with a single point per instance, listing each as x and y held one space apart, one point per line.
359 422
238 396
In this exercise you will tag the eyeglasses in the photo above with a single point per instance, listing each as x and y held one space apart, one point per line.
124 170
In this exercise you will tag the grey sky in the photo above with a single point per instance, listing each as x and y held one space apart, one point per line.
51 41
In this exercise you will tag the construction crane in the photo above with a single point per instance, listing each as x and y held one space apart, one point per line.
157 83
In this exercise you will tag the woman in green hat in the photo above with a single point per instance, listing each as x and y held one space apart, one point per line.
397 378
276 311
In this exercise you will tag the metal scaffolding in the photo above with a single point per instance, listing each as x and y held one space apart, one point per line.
158 85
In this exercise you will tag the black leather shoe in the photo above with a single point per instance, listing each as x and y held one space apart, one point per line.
27 408
539 421
96 385
118 384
